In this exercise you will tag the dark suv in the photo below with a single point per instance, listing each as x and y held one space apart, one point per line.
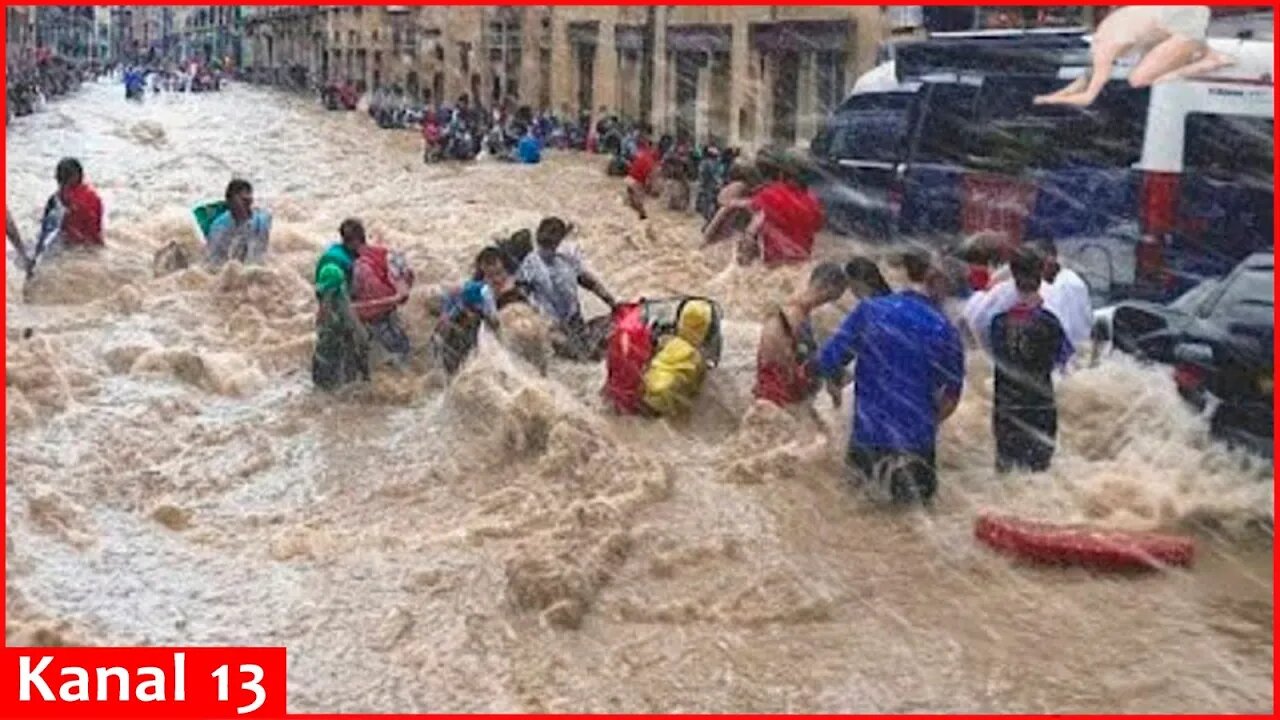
1218 337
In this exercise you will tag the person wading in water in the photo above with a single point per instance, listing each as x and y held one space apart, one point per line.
908 380
342 343
787 343
1027 342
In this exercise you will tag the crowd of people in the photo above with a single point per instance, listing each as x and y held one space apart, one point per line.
907 354
463 129
41 76
1022 308
190 77
45 75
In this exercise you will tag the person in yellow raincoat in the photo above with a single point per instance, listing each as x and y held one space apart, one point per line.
675 374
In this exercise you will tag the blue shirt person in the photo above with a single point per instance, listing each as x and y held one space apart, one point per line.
530 149
241 232
908 378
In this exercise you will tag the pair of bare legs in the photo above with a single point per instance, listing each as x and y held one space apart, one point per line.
1174 58
635 195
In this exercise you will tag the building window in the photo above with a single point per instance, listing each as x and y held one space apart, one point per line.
544 78
830 80
905 17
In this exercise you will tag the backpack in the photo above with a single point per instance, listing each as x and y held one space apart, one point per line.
390 271
630 347
633 340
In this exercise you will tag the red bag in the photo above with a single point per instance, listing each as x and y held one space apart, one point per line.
377 284
630 347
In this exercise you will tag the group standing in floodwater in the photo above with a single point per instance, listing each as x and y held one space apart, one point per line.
907 355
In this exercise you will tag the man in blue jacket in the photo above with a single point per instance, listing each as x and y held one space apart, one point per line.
530 148
908 379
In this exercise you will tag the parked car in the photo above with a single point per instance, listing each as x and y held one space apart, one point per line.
1218 339
1131 188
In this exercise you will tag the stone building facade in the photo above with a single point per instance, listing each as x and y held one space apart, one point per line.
20 33
80 32
69 31
748 75
121 32
137 32
432 53
209 34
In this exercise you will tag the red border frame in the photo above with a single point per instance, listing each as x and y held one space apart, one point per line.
3 338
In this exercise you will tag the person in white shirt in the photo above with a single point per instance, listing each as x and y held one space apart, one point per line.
1067 297
1064 292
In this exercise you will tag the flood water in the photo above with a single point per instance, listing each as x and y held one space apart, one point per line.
501 543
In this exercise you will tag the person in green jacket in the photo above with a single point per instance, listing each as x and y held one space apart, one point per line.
342 343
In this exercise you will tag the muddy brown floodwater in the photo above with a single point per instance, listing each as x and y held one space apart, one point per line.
502 544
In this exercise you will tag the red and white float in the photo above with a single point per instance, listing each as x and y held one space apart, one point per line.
1081 546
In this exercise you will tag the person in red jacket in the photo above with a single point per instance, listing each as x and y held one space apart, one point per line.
640 174
432 136
82 221
786 217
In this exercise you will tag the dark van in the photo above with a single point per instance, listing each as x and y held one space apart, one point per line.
956 147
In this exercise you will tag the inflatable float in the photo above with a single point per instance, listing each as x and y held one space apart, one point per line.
1084 547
